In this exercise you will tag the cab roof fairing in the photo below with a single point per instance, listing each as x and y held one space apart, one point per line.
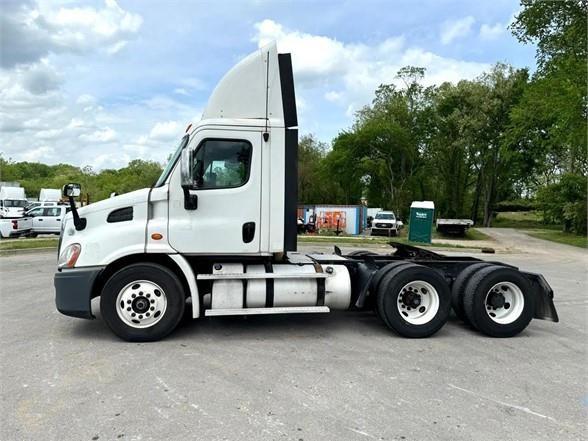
250 90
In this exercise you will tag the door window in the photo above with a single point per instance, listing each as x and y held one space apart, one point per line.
222 163
53 211
36 212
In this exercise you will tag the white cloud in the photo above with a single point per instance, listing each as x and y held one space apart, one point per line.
165 130
101 135
32 31
492 32
452 30
351 72
39 154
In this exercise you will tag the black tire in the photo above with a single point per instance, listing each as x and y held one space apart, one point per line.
388 297
459 287
474 301
158 274
375 283
33 235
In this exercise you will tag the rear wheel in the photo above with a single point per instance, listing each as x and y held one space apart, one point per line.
459 287
498 301
414 301
142 302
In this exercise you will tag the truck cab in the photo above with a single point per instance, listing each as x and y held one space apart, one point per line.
12 202
217 233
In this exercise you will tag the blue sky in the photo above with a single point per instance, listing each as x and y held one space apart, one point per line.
103 82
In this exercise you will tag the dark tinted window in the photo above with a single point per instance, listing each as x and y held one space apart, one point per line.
222 163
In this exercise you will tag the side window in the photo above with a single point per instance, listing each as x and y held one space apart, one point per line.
36 212
52 211
222 163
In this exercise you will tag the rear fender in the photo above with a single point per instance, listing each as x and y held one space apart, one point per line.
544 307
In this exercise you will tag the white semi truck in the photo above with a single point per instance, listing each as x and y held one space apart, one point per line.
13 222
217 234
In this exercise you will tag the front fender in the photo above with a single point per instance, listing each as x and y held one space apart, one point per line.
191 279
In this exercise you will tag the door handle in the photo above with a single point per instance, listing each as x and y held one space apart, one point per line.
58 219
248 231
40 220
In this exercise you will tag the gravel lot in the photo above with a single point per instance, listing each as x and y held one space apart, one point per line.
341 376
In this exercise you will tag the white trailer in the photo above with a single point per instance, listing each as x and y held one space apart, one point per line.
50 195
219 228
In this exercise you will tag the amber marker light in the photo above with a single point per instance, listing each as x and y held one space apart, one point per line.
156 236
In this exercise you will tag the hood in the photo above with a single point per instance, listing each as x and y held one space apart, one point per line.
120 201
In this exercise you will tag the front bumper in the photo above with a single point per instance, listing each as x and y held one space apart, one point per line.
73 291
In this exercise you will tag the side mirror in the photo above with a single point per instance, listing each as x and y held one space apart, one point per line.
71 190
187 180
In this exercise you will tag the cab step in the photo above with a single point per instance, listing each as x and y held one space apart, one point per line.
273 310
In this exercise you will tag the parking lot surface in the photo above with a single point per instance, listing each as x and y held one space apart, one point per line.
340 376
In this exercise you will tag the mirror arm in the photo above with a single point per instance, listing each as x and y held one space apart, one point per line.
79 223
190 200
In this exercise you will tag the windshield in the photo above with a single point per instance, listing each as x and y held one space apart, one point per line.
389 216
15 203
172 161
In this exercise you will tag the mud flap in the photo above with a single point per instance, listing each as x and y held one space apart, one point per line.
544 307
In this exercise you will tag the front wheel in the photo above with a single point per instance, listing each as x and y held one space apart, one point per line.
414 301
142 302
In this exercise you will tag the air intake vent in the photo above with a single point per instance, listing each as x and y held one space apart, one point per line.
120 215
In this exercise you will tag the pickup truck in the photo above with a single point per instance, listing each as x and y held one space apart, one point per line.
47 220
15 227
384 224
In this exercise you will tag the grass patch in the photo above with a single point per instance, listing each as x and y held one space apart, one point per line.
471 234
560 237
529 220
25 244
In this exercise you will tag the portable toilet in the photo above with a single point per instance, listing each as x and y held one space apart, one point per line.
421 221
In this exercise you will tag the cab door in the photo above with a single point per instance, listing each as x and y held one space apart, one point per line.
227 164
52 217
38 224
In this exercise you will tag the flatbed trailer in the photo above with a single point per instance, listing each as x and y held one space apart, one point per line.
454 227
217 234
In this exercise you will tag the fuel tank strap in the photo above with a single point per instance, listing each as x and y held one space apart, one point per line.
269 286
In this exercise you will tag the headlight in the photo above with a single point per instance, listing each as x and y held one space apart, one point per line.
69 256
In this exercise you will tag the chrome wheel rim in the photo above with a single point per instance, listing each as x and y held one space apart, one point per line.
141 304
504 303
418 302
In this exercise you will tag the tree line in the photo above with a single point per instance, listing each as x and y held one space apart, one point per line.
506 139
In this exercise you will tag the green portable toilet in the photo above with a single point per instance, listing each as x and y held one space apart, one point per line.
421 221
